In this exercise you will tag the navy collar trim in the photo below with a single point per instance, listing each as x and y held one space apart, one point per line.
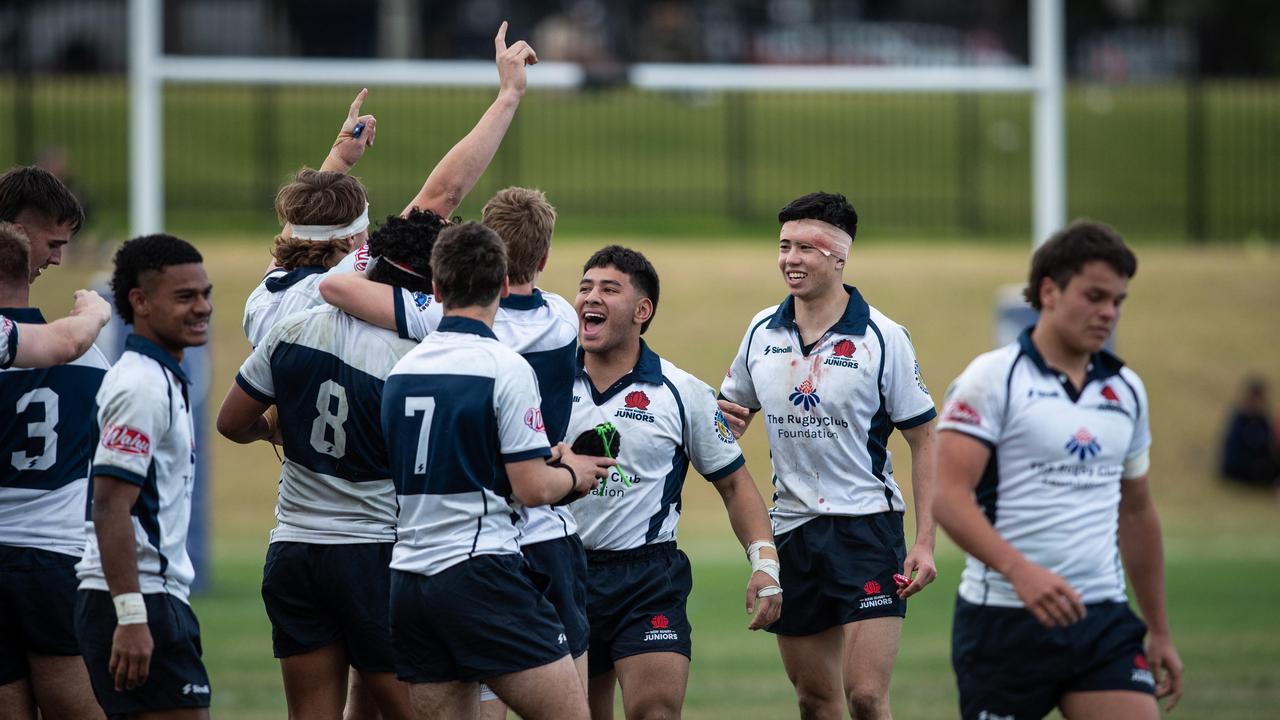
648 369
523 302
1102 364
854 321
146 347
459 324
28 315
280 283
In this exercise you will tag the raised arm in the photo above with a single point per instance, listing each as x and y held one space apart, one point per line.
920 565
348 148
961 462
65 339
1142 550
460 168
750 523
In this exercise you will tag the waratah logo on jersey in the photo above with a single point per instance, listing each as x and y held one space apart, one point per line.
805 396
636 407
125 439
722 429
1083 445
660 629
961 412
842 355
533 418
1109 395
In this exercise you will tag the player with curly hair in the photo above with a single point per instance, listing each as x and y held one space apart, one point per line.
141 642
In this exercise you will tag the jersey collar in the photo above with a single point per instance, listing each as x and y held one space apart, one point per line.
857 314
648 369
280 283
523 302
459 324
143 346
28 315
1102 364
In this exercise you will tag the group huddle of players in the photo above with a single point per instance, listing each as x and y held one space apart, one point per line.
481 480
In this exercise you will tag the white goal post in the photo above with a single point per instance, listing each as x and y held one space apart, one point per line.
150 69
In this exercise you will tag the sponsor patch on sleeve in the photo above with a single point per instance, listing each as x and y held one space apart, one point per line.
125 439
961 412
533 418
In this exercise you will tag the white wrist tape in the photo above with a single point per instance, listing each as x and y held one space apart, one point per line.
131 609
759 564
769 591
753 550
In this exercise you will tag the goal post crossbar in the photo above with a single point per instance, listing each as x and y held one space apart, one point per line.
150 69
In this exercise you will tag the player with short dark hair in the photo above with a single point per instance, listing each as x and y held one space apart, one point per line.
638 581
834 377
461 413
141 642
37 201
46 440
1043 481
326 583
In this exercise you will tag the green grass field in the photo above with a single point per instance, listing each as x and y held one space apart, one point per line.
1196 322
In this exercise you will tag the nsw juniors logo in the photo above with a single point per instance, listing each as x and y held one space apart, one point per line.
125 439
533 418
1142 671
660 629
635 407
1083 445
805 396
842 355
874 597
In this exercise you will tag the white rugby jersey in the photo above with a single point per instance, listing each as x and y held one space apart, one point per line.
46 444
543 328
829 409
325 370
455 410
665 418
284 292
8 341
1052 485
146 438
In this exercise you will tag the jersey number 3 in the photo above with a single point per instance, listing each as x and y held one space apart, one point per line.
43 430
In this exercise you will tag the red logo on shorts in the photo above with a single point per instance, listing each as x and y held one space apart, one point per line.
122 438
871 587
1140 662
844 348
660 622
637 399
533 418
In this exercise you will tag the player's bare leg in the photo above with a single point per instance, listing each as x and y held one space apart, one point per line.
653 685
315 683
551 691
497 710
870 649
1109 705
444 700
16 700
389 695
360 702
600 695
814 664
61 687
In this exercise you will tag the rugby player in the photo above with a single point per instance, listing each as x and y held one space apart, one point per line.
463 421
1043 481
35 200
326 212
46 441
834 377
638 582
140 640
543 328
326 582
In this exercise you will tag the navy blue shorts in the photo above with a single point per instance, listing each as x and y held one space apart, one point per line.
37 607
476 620
559 569
1008 664
838 569
636 604
318 595
177 679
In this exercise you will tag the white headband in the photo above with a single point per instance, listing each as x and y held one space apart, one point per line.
321 233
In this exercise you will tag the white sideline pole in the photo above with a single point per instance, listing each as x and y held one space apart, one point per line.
146 128
1048 158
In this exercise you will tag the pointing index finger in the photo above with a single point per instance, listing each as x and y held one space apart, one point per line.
354 111
500 41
